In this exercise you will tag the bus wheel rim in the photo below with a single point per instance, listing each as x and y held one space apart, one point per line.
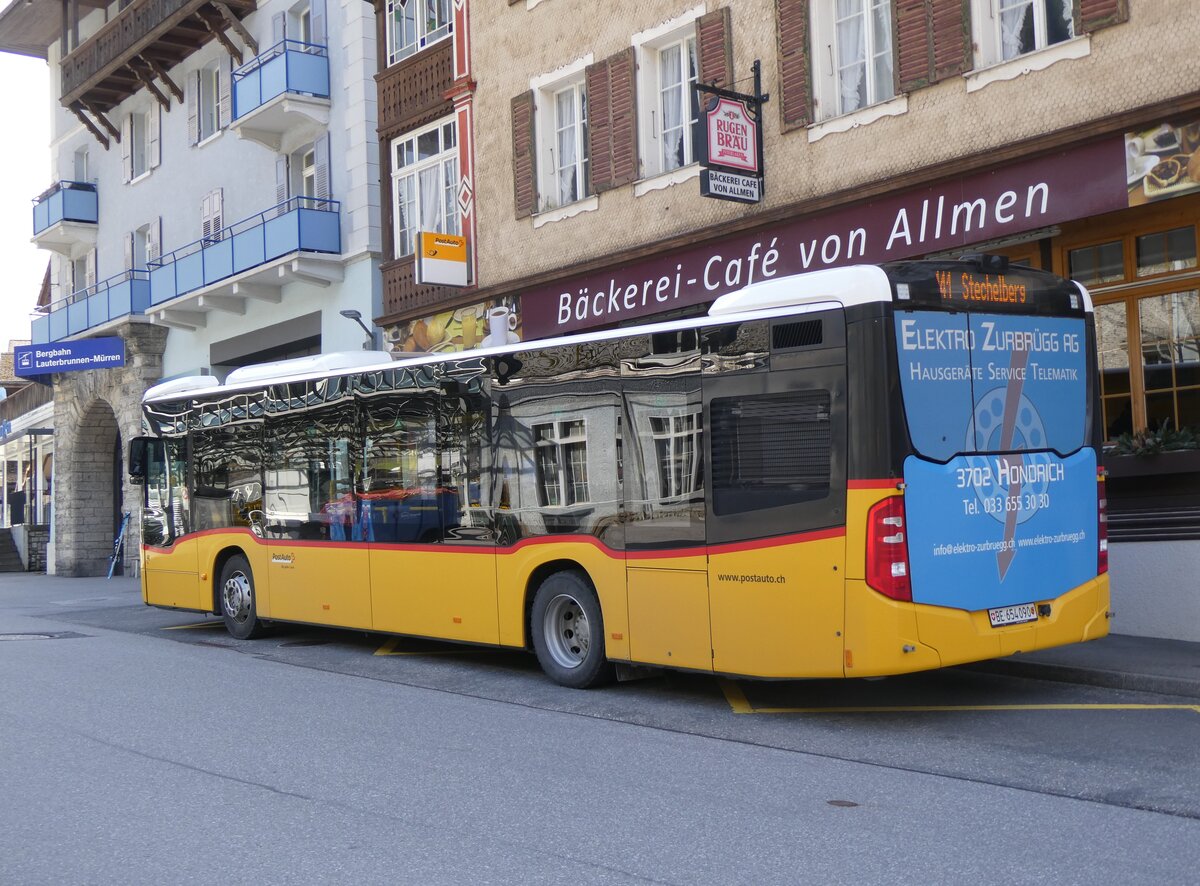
566 631
236 595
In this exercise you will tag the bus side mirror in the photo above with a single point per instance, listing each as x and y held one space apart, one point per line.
142 450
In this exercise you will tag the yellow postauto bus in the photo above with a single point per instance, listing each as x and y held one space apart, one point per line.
855 472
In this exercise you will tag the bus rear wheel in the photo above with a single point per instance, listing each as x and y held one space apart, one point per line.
568 631
237 599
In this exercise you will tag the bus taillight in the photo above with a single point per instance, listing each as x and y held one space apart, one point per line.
1102 534
887 550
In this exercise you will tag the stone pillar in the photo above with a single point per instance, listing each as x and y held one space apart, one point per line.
94 411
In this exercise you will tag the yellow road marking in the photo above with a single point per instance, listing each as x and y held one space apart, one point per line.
389 648
199 624
741 705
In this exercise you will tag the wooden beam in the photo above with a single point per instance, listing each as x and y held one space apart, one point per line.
236 24
148 82
162 75
104 121
217 31
91 127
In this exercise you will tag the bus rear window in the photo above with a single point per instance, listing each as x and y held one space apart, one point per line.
992 383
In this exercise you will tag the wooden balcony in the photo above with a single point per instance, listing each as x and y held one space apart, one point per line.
144 41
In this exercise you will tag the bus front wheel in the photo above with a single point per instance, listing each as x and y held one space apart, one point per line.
568 631
237 599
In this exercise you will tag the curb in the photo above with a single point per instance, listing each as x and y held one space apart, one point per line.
1155 683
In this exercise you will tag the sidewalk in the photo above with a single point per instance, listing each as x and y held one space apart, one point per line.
1118 661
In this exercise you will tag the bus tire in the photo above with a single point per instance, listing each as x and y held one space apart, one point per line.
568 631
237 597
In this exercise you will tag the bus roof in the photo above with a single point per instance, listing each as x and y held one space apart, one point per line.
777 297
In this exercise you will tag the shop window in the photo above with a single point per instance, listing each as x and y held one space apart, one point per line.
1091 265
1112 346
1169 328
1166 251
852 53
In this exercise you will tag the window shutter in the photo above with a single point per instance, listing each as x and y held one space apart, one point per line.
129 263
278 27
795 85
216 211
622 70
206 216
1094 15
524 172
89 271
714 48
321 160
127 147
318 22
281 183
193 107
599 129
154 240
224 84
154 145
931 42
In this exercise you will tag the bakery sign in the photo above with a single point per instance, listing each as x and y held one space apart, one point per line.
727 141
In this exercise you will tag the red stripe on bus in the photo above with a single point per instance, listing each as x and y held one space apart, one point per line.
874 484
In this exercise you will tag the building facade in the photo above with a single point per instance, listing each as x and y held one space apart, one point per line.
893 129
213 204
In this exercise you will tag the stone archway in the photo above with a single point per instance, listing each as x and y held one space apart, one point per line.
95 414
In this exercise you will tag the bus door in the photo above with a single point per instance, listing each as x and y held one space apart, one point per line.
775 411
171 575
317 565
663 466
426 521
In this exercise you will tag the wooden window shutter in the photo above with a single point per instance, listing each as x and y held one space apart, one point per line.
193 107
599 129
225 99
795 84
932 42
524 172
217 210
281 184
89 269
1094 15
318 22
622 70
324 190
154 240
154 142
206 216
714 48
278 27
127 147
129 259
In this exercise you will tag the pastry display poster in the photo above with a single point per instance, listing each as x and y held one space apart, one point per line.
1162 162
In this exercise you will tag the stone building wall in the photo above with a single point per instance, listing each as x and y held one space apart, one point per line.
95 412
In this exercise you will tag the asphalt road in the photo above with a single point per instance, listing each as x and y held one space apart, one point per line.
144 746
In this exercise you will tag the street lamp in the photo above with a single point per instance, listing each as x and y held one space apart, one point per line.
356 316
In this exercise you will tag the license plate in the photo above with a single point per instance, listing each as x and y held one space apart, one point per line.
1012 615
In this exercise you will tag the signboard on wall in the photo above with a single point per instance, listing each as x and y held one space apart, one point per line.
442 259
69 356
727 141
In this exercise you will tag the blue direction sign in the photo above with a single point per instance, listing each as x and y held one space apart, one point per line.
68 356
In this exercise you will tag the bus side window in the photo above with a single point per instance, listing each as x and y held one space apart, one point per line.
400 480
465 515
228 465
167 516
311 461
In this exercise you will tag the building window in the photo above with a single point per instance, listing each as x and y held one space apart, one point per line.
853 55
139 144
562 143
209 100
1006 29
414 24
81 165
304 170
425 184
1147 327
561 459
669 107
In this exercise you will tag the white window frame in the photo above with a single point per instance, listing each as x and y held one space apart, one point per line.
566 480
546 90
683 440
827 62
986 30
139 144
648 48
423 36
208 101
302 165
449 219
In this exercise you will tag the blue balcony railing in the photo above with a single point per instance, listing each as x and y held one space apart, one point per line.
301 224
288 66
65 201
126 293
